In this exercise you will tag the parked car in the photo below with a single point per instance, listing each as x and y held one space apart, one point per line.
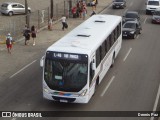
156 16
131 15
11 8
131 29
119 4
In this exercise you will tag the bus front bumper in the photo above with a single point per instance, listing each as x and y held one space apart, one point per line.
66 99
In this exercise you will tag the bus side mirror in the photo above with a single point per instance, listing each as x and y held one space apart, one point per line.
42 62
93 66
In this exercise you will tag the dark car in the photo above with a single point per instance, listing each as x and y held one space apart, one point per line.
131 29
119 4
156 16
131 15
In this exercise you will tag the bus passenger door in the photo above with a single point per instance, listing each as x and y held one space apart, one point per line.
91 77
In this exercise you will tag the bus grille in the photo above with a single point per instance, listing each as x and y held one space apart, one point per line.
63 98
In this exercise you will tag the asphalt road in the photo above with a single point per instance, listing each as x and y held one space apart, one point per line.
135 78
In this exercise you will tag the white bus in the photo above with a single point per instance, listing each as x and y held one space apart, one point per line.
77 63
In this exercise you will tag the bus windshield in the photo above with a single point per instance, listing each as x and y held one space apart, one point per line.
65 75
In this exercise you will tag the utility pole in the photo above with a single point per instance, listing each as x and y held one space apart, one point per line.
51 2
26 13
70 8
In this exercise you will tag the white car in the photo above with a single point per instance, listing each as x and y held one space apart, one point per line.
11 8
152 5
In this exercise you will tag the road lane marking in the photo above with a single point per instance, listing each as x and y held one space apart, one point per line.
2 49
22 69
145 20
13 118
156 102
107 86
127 54
125 11
131 4
110 5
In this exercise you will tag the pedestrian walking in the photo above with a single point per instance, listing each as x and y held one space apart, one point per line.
94 4
50 24
9 42
26 34
64 23
79 8
74 12
33 34
84 11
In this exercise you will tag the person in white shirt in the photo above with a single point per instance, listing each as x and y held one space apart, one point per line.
64 23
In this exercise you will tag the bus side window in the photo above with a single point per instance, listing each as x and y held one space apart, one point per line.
107 44
110 40
120 29
98 57
103 50
92 71
115 34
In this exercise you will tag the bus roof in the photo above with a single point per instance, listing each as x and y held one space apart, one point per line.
85 38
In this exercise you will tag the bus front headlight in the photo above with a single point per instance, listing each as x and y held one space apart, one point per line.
46 90
83 92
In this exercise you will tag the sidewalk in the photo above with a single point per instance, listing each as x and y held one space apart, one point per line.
23 55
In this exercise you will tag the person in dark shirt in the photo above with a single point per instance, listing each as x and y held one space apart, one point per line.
26 34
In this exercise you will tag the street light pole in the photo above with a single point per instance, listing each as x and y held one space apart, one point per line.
26 13
51 9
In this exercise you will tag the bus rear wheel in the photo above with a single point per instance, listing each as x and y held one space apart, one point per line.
96 86
113 59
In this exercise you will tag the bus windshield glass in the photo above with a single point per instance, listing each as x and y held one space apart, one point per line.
65 75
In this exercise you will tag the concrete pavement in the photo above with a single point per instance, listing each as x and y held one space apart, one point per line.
23 55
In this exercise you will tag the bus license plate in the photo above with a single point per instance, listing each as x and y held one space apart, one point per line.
63 101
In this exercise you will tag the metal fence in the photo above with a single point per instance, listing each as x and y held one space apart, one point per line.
14 26
39 18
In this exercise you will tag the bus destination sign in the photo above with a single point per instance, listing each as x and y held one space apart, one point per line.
66 56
